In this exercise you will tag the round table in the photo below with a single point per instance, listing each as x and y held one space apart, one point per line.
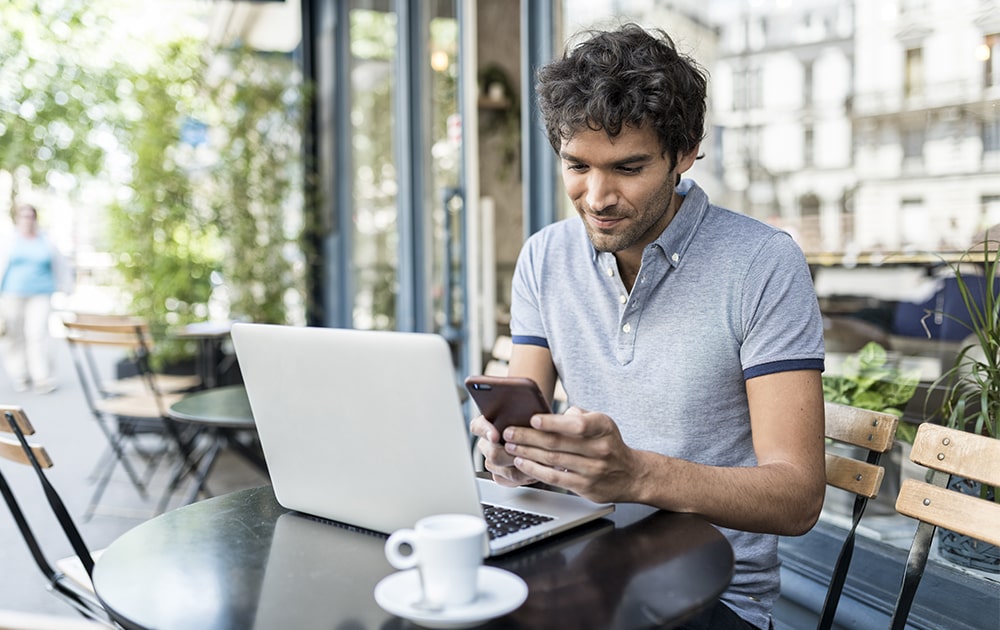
223 414
220 407
242 561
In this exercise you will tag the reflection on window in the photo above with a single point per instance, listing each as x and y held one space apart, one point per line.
446 155
376 238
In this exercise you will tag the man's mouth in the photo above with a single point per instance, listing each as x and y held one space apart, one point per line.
603 223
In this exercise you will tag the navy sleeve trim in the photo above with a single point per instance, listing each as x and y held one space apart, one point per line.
530 341
783 366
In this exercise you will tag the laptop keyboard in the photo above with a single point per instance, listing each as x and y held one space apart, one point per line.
501 521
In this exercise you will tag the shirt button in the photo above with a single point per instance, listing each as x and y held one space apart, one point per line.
675 257
627 328
611 271
623 298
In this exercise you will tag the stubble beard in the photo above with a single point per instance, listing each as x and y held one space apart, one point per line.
630 231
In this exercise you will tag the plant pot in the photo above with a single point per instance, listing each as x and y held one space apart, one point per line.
963 550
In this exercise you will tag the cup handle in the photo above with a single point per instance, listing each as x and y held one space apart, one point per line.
396 540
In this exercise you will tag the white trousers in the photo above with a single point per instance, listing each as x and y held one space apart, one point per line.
26 356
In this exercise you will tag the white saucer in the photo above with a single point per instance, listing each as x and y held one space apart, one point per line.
500 592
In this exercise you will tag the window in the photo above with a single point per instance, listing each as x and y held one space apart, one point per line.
990 210
914 219
808 147
739 89
807 83
809 205
914 73
755 88
991 136
989 53
913 143
747 89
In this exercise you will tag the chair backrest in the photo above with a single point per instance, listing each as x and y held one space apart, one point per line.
13 420
947 452
873 432
129 334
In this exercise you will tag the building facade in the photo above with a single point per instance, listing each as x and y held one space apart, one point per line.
863 127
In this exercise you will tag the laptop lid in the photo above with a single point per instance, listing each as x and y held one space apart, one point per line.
367 428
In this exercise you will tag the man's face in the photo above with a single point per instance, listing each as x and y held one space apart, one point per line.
623 187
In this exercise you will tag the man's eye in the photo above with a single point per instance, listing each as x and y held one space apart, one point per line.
630 170
577 168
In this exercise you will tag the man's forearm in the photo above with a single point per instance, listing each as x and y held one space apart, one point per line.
776 497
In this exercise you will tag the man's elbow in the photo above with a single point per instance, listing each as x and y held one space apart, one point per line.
806 511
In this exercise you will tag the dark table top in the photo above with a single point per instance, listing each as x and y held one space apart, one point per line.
222 407
243 561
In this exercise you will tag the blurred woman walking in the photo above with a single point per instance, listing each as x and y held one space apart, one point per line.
28 278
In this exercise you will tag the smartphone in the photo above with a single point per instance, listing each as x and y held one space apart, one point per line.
507 400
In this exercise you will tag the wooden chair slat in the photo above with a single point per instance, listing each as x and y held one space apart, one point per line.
20 419
872 430
11 449
854 476
958 453
952 510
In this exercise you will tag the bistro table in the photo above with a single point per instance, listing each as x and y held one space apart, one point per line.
210 336
242 561
223 414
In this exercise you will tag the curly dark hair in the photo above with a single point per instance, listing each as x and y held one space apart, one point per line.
627 77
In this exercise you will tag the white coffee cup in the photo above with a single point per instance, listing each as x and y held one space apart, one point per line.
448 550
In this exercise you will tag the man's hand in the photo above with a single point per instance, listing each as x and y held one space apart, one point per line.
580 451
496 460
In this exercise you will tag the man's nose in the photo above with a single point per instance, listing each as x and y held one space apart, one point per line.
601 191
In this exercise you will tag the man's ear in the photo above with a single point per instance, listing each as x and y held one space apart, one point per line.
686 160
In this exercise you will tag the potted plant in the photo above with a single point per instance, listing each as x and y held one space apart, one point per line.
872 379
972 386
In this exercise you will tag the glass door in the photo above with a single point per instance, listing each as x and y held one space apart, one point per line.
374 242
405 154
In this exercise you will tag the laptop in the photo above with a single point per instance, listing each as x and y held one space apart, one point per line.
367 428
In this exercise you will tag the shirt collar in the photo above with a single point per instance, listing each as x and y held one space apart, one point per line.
674 240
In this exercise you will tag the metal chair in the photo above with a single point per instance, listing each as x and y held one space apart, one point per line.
135 423
75 588
874 433
133 384
947 452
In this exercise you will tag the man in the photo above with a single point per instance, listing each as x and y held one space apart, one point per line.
687 337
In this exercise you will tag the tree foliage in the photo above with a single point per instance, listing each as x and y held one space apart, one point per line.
218 209
58 96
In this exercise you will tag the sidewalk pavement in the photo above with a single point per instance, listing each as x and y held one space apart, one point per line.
64 425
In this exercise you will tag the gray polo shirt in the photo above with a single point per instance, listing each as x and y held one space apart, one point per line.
720 298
